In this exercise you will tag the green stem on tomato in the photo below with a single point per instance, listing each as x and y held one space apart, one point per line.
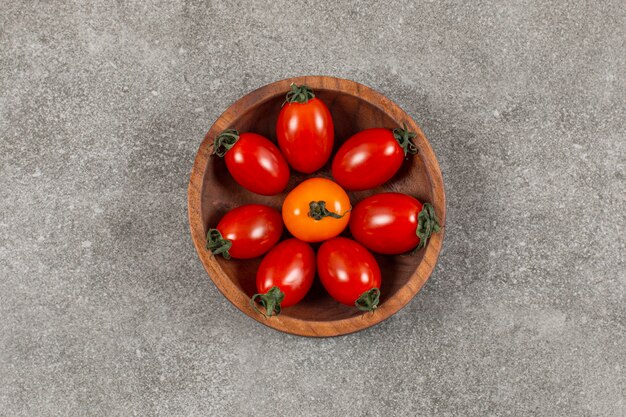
270 301
403 136
318 210
368 301
216 243
224 141
427 224
299 94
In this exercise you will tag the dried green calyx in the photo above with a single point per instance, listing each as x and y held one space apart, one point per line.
216 243
299 94
368 301
318 210
224 141
270 301
427 224
404 138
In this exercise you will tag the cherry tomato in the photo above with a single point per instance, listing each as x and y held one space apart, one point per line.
253 161
349 273
284 276
371 157
317 209
305 130
245 232
393 223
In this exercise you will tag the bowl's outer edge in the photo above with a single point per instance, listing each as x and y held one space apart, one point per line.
291 325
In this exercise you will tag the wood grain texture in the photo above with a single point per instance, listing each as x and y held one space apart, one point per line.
212 192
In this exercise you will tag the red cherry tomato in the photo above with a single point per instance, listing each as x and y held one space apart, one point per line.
393 223
253 161
371 157
305 130
284 276
349 273
246 232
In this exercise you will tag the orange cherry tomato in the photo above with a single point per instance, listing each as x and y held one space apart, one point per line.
316 210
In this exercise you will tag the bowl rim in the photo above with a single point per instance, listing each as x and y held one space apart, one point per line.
296 326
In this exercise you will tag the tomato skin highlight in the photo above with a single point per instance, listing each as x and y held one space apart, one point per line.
386 223
296 209
257 165
253 229
305 134
290 266
367 159
347 269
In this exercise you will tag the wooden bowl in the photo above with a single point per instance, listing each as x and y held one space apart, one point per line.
212 192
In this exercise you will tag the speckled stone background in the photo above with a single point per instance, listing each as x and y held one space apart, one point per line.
106 310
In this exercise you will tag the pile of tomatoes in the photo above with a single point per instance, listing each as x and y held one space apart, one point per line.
318 209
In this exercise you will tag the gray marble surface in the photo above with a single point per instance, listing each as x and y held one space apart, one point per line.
105 308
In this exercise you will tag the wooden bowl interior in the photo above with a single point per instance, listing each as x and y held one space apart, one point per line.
220 193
